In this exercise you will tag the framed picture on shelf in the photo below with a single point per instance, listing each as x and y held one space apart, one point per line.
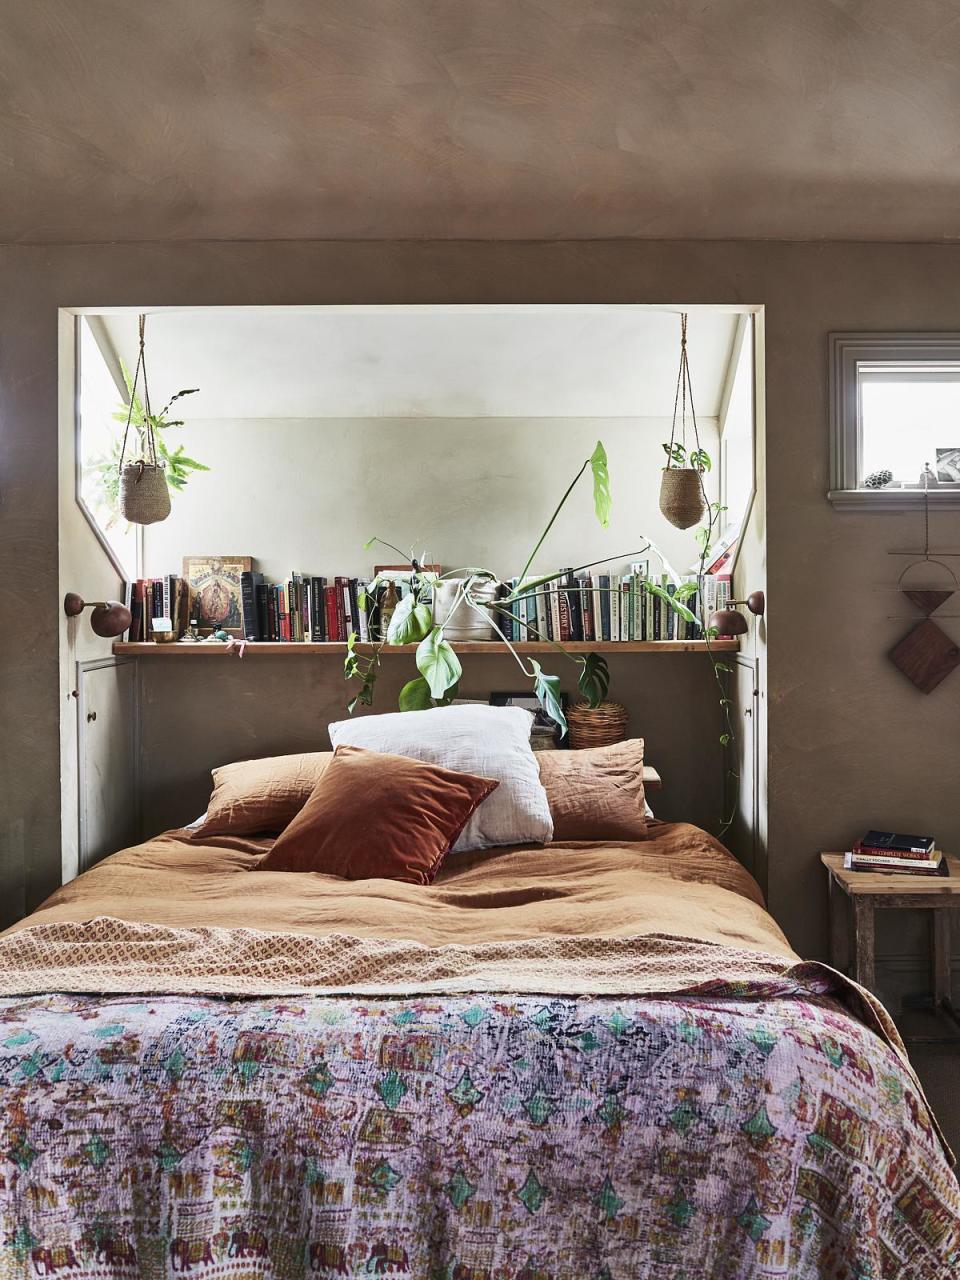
545 732
215 593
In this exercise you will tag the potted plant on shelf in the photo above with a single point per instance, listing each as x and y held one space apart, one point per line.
423 616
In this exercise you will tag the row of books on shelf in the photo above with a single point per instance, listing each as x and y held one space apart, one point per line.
893 853
306 608
612 607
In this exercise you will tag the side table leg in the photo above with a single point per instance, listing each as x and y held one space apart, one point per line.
864 965
839 927
941 958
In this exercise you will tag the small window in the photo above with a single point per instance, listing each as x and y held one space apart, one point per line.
895 417
99 435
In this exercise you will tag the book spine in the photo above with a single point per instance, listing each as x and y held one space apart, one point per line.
306 610
248 605
563 610
363 616
626 582
330 611
541 606
884 851
586 608
595 607
260 594
318 620
553 612
344 619
880 860
614 607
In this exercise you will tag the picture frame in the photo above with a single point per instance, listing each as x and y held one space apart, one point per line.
948 465
215 592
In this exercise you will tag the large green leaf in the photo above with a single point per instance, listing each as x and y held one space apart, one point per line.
410 623
601 484
415 696
547 689
594 679
437 663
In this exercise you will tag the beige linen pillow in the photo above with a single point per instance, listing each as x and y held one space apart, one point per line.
596 793
261 795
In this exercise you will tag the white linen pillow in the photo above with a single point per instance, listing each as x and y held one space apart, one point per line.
492 742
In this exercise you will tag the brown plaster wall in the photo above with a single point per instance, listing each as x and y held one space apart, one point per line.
849 740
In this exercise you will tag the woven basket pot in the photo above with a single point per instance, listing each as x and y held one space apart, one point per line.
144 496
681 496
596 726
464 623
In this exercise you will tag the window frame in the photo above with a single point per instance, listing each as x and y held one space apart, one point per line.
848 352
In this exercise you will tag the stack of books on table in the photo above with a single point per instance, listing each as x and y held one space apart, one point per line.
893 853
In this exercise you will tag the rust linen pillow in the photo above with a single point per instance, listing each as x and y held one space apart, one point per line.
261 795
376 816
596 793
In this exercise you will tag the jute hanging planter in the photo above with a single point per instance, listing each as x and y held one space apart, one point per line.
144 493
682 499
681 496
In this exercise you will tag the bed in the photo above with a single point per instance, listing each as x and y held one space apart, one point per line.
591 1060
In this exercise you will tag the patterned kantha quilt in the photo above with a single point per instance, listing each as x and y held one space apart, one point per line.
712 1109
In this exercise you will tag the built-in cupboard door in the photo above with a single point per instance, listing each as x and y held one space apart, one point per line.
107 740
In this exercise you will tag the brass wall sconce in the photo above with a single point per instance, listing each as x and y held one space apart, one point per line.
730 622
109 618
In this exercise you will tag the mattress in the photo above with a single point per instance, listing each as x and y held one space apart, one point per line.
588 1060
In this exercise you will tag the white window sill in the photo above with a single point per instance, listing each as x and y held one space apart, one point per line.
942 499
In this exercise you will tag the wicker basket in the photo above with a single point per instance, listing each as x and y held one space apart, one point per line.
596 726
144 495
681 496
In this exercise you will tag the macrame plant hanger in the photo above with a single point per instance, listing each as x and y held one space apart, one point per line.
144 494
682 499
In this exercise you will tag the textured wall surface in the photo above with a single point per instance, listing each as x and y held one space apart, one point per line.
520 119
851 741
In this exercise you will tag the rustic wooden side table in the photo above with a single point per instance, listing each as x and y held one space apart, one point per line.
857 895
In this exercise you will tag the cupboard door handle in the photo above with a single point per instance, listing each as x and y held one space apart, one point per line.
91 715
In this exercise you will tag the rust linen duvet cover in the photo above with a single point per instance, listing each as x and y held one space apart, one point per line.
579 1061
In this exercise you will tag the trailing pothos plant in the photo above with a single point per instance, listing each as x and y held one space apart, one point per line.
177 465
413 622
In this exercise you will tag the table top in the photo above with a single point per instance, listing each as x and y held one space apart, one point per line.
879 884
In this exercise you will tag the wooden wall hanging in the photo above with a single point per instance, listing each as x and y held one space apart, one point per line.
927 655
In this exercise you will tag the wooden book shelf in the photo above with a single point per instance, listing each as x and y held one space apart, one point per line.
336 649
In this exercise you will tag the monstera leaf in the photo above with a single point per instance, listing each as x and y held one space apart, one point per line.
602 501
410 623
438 664
594 679
547 689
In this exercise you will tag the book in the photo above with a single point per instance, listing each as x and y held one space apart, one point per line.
892 860
894 866
249 582
318 613
603 580
894 842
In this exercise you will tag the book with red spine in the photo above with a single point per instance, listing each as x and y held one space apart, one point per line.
330 613
884 851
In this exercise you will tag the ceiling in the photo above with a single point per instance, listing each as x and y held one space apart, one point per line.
499 119
414 362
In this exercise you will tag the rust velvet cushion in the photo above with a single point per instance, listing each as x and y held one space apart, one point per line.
261 795
596 793
377 816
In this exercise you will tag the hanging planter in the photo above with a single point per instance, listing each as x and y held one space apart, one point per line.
144 494
682 498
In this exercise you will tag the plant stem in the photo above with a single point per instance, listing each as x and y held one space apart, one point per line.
552 521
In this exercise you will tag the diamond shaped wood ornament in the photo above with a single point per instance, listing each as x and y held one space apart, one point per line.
926 656
927 601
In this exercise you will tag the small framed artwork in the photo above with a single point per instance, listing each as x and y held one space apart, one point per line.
948 466
545 732
215 591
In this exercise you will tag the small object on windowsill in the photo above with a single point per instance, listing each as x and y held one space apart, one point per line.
878 479
928 478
